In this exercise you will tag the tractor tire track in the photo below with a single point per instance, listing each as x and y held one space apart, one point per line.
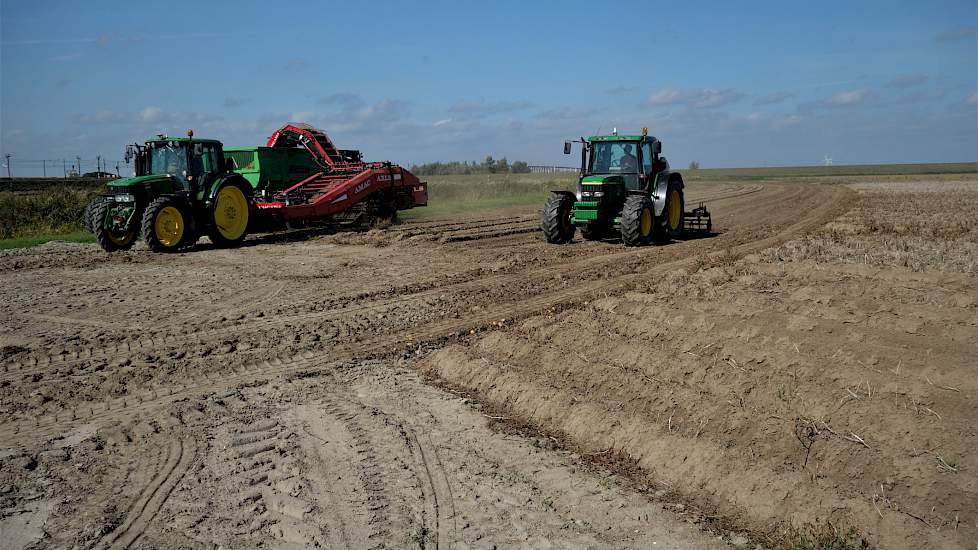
161 340
836 199
180 456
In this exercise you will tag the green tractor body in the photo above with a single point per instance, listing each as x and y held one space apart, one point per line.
626 187
183 188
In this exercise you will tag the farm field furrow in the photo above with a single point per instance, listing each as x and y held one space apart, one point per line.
811 362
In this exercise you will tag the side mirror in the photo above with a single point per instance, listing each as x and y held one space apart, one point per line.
198 148
657 147
230 164
567 147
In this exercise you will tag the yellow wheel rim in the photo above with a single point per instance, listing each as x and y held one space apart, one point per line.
675 210
169 226
231 212
646 222
121 238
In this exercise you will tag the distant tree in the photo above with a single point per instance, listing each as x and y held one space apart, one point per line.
487 166
694 165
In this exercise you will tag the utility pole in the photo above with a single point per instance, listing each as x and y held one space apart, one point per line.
78 166
64 165
8 165
98 166
44 167
117 170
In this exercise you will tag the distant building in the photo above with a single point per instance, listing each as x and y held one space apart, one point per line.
100 175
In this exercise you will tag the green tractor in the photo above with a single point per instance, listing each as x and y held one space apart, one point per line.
625 186
183 188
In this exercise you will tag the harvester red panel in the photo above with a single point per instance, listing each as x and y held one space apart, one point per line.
344 182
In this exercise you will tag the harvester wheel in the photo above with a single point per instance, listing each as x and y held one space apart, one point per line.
637 219
109 240
231 213
556 224
670 223
166 225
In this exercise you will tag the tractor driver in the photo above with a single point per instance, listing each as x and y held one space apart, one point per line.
629 162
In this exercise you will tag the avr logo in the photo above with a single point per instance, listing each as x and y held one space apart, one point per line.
361 187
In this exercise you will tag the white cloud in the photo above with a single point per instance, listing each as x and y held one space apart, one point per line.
697 98
972 99
302 116
442 122
151 114
852 97
773 98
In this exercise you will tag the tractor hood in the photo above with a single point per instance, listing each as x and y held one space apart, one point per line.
160 183
615 179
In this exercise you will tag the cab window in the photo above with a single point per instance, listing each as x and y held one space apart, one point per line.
647 157
204 158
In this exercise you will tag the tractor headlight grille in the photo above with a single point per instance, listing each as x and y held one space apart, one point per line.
124 197
592 192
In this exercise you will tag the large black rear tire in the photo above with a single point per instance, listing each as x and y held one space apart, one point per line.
556 223
637 220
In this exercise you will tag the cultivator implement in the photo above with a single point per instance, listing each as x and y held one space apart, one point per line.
698 220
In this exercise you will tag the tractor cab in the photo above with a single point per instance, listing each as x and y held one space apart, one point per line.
192 164
629 160
625 187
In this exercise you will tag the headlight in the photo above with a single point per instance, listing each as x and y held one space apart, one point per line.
598 193
125 197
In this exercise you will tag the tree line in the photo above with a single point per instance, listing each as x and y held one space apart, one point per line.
455 167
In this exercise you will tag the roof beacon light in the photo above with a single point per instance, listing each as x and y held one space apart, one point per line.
645 131
190 133
614 131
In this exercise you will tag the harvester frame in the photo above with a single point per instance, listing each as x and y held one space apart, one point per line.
186 187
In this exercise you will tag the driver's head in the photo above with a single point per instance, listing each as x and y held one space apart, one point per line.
628 148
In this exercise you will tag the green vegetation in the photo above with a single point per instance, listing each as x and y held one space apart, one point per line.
467 193
27 242
487 166
54 211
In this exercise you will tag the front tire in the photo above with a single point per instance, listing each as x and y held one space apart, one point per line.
110 240
556 223
637 219
229 217
166 225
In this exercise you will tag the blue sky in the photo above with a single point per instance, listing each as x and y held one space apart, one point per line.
727 84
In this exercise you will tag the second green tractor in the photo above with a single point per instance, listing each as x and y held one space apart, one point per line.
626 187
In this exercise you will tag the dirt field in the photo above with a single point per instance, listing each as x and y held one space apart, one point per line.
458 383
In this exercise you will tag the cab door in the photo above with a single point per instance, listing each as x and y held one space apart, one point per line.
204 163
647 176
